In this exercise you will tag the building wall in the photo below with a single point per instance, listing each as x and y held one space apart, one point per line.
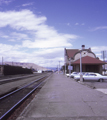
100 69
77 68
65 59
91 55
85 68
88 68
77 56
1 70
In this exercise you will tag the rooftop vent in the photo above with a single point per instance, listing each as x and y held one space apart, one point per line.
89 49
83 47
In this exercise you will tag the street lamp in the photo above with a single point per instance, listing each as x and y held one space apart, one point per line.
69 67
81 75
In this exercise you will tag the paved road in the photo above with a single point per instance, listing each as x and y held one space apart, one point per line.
97 85
64 99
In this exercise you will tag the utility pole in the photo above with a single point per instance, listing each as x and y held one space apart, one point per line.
59 67
65 68
65 60
65 64
81 75
2 60
69 67
103 56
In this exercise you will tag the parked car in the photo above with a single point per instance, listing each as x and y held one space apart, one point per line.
92 76
73 74
67 74
78 75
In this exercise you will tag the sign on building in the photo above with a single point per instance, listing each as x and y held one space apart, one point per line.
70 67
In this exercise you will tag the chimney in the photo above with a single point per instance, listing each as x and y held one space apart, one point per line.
83 47
90 49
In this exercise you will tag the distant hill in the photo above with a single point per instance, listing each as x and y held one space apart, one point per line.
52 68
26 65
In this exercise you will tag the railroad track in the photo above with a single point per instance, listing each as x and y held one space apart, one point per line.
10 84
10 101
13 79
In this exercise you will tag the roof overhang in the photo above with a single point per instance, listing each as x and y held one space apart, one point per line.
89 60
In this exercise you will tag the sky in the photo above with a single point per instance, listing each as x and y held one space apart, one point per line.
38 31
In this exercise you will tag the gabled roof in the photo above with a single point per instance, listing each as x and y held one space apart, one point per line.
71 52
89 60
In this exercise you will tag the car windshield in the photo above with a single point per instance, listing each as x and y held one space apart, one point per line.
75 73
92 75
82 73
98 74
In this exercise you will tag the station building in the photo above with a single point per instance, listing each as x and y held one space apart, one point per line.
90 63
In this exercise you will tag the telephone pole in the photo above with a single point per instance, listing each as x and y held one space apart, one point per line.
2 60
104 57
59 67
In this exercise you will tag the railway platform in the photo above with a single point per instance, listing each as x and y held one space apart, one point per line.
62 98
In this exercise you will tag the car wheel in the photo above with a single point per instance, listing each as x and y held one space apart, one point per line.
101 80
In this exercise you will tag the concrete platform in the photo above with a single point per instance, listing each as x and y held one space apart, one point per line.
62 98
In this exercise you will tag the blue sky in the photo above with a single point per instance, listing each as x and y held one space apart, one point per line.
37 31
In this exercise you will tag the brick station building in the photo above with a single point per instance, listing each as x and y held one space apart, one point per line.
90 63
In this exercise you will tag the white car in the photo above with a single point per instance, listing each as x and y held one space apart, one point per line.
67 74
92 76
74 74
77 76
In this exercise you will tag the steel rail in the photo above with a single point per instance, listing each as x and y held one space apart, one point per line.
20 88
10 79
4 116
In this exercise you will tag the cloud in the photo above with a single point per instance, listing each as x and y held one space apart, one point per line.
9 51
98 51
21 20
5 1
76 23
50 41
45 36
27 4
50 57
34 33
83 24
99 28
14 36
4 36
43 57
50 53
19 36
80 24
68 24
96 48
12 40
13 53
